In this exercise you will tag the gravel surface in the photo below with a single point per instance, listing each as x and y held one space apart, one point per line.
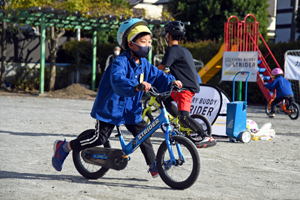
30 124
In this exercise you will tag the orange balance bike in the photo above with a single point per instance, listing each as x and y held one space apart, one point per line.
289 108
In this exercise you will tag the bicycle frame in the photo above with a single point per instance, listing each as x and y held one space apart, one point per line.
147 132
282 105
154 103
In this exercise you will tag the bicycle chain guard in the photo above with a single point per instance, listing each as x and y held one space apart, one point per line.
105 157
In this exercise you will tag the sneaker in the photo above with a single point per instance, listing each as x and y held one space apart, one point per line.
59 155
206 142
271 115
153 171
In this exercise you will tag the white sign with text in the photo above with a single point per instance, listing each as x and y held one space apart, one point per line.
207 102
292 67
211 102
233 62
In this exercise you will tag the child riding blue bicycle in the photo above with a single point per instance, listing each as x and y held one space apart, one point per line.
118 97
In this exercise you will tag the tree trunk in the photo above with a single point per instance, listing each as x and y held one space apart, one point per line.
3 56
53 48
52 51
52 71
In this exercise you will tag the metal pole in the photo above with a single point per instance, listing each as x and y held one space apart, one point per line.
239 89
77 57
293 23
42 60
78 35
150 53
94 60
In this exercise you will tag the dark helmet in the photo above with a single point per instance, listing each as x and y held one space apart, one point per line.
175 28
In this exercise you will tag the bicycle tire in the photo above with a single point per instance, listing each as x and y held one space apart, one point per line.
294 108
88 170
146 104
204 121
148 117
267 110
184 174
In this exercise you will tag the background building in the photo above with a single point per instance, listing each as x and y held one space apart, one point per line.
284 16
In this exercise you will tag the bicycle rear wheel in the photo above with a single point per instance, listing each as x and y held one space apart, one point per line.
88 170
294 108
185 172
201 119
268 108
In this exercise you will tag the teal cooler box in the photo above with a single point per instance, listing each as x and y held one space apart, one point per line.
236 118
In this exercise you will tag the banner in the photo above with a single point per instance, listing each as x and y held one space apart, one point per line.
292 67
233 62
207 102
219 127
212 102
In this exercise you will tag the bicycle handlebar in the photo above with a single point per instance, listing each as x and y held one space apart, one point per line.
141 87
154 92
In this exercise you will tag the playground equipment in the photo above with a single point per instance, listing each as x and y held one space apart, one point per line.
236 120
212 67
242 36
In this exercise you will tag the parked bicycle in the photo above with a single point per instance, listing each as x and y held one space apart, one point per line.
181 153
290 108
152 105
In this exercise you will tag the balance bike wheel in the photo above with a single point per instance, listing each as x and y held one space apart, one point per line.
267 109
294 108
245 136
88 170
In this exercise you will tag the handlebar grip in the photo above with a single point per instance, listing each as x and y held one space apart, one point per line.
141 87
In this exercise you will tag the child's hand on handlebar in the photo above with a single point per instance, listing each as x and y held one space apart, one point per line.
178 83
144 86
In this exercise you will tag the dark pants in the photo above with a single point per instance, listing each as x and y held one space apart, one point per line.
277 100
102 133
184 117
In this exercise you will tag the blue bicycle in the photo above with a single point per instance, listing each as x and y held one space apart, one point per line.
93 163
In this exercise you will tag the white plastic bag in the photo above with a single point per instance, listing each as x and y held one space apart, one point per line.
264 133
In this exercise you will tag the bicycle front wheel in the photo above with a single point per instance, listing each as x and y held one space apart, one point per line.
88 170
146 104
185 171
148 117
294 108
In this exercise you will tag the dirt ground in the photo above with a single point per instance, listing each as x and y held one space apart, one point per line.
74 91
29 124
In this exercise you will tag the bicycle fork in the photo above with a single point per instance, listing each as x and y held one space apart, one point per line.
169 142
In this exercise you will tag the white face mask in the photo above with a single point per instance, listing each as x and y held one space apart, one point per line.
116 53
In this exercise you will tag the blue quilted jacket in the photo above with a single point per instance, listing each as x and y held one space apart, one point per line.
282 86
117 102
